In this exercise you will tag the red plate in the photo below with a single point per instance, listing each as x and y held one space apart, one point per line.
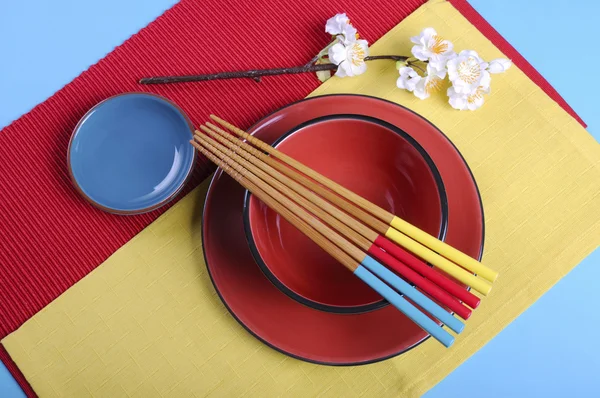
282 322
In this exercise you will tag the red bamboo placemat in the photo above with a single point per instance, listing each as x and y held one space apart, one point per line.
50 237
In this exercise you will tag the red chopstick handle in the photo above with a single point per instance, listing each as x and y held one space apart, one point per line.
428 272
441 296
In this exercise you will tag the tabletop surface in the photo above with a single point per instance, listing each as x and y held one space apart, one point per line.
47 44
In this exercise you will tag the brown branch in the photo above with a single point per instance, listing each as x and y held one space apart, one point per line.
411 64
312 61
256 74
392 57
252 74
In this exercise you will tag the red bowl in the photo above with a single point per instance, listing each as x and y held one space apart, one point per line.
282 322
376 160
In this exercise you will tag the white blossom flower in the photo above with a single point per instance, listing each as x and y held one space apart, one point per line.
429 46
499 65
432 82
408 78
468 72
467 101
350 56
350 33
340 25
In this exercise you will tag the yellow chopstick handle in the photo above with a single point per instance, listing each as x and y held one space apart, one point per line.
432 257
444 249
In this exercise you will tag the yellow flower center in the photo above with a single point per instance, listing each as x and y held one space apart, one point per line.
438 47
469 70
434 84
357 54
478 94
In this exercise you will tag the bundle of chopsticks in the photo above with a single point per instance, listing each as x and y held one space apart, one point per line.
381 249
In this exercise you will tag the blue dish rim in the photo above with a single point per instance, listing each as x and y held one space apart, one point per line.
355 309
145 209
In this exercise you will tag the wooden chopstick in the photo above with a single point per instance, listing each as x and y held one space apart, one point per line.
396 224
337 219
354 251
378 226
341 249
350 228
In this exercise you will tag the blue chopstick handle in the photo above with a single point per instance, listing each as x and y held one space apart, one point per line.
419 298
405 307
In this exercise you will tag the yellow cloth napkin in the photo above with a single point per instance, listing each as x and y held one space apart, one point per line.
147 322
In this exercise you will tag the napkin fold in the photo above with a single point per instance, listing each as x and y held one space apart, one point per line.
148 322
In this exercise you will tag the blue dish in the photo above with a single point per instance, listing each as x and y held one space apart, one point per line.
131 154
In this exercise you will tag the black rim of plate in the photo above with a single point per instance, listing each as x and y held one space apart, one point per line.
355 309
370 361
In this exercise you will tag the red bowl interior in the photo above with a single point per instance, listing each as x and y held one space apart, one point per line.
377 161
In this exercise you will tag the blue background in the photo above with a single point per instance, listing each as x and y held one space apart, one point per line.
550 350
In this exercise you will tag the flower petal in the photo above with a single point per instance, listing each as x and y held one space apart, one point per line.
408 78
452 66
359 69
349 33
428 32
462 88
364 45
342 70
470 53
337 53
486 80
400 83
420 52
457 101
334 24
420 91
434 69
499 65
